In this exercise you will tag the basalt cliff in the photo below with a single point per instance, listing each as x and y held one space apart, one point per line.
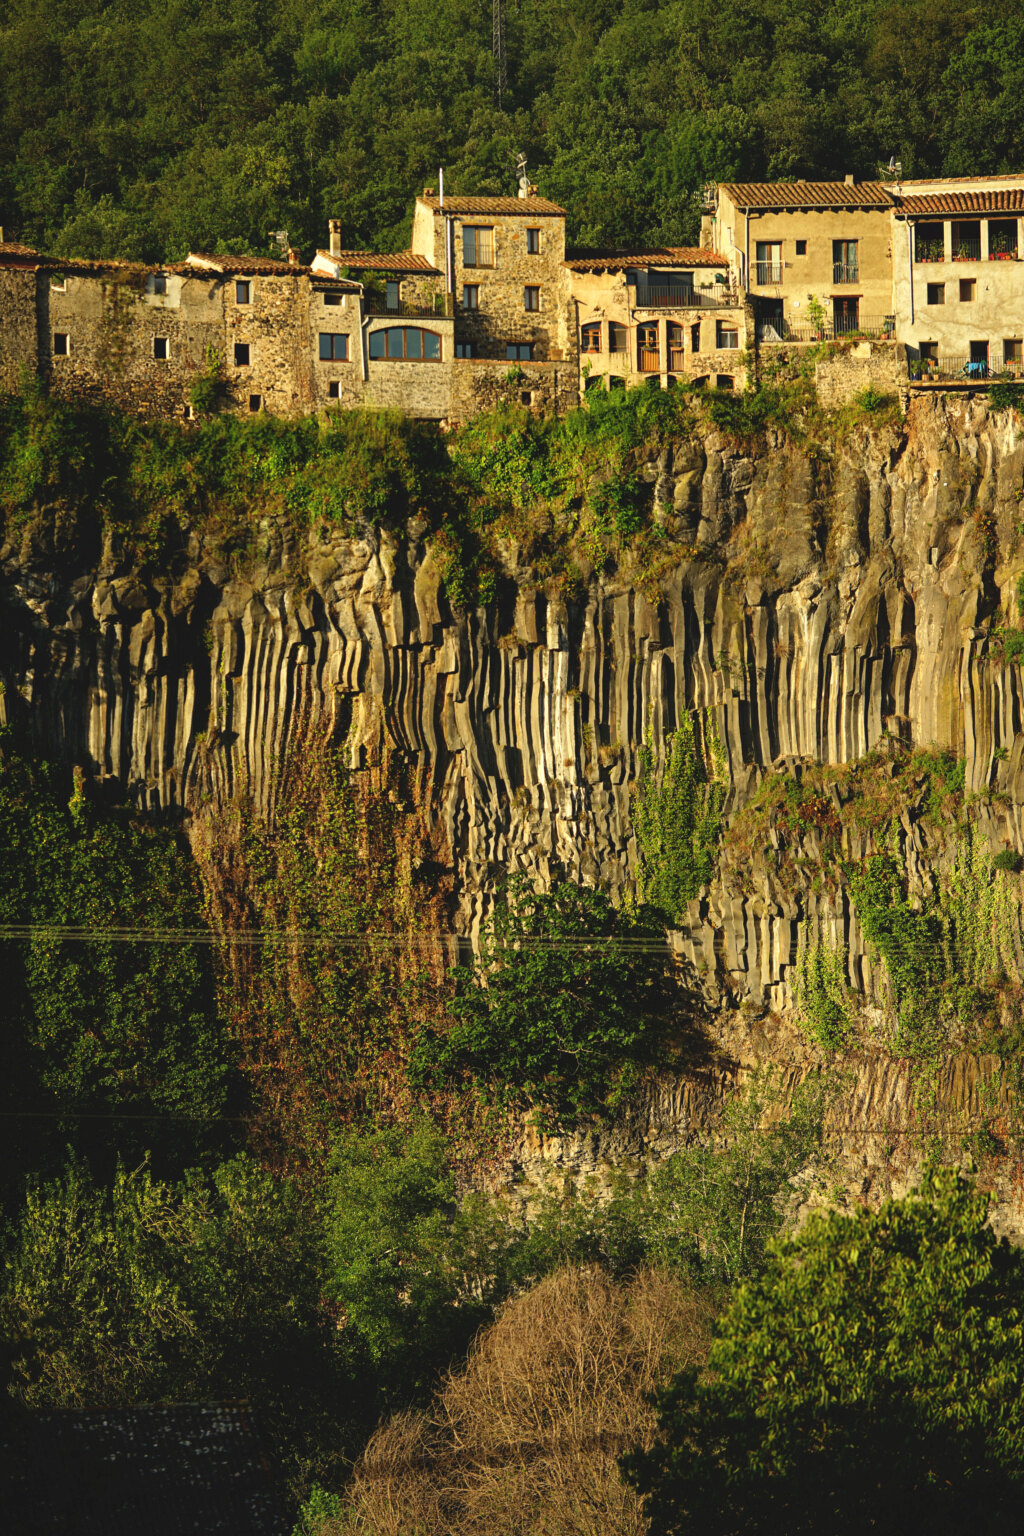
832 607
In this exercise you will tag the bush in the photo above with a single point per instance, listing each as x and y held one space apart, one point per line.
677 816
568 1003
1009 860
871 1379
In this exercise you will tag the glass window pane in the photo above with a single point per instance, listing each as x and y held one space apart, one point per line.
325 347
378 343
431 345
395 348
469 247
485 247
413 342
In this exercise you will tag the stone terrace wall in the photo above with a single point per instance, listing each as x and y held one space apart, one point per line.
880 365
479 385
19 333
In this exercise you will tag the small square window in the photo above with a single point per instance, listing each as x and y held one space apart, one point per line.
241 354
936 293
526 398
61 344
463 349
928 351
968 288
161 351
333 299
533 242
334 389
471 296
519 351
160 284
531 298
1013 352
188 413
801 247
255 402
727 336
724 381
243 293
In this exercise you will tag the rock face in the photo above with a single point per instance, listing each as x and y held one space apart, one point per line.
818 606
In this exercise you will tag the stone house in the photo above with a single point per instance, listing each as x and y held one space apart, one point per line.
655 316
815 258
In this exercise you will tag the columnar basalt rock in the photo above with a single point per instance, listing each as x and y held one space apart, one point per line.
819 609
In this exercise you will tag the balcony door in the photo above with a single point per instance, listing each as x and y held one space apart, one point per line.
647 359
845 315
768 263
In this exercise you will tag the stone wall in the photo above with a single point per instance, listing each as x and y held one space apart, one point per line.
479 385
19 336
858 365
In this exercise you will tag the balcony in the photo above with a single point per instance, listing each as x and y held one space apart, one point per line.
962 370
842 273
676 296
967 250
929 250
845 328
436 309
767 272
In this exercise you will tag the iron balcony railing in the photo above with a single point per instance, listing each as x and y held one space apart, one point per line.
766 272
967 250
844 328
929 250
678 296
962 370
436 309
842 272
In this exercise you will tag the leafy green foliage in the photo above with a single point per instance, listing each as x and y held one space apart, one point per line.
149 1291
1005 396
871 1378
823 996
102 1025
568 1003
677 815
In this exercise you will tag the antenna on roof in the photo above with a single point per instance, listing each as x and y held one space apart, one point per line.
279 237
498 47
707 198
522 180
893 171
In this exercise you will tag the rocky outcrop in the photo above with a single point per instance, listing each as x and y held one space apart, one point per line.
819 604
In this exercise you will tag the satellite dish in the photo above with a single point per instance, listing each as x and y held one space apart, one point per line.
522 180
892 165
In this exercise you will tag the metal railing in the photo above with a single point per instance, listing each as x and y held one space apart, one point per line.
962 370
767 272
678 296
845 328
842 272
967 250
929 250
373 304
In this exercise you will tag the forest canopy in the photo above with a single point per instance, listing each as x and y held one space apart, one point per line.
138 130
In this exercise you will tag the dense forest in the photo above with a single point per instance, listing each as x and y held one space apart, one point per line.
143 131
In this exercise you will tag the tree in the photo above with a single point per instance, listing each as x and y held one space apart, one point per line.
570 999
871 1379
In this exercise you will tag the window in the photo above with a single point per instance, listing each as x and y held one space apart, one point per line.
726 335
531 298
724 381
844 261
255 402
590 337
676 355
477 246
936 293
332 299
647 354
406 342
968 288
695 336
61 344
519 351
58 283
979 352
1013 352
929 242
928 351
392 293
594 381
768 266
801 247
241 354
1002 239
615 381
533 242
333 347
243 293
526 398
616 336
334 390
471 296
463 349
966 240
160 284
161 350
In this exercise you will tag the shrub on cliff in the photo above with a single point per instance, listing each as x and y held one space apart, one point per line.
871 1379
570 1000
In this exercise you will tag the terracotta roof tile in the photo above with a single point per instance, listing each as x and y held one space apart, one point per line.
585 260
375 261
808 194
527 207
15 250
243 265
999 200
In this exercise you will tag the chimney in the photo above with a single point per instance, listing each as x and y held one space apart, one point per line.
851 180
334 228
294 256
428 191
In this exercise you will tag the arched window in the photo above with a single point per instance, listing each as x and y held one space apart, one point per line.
406 342
590 337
